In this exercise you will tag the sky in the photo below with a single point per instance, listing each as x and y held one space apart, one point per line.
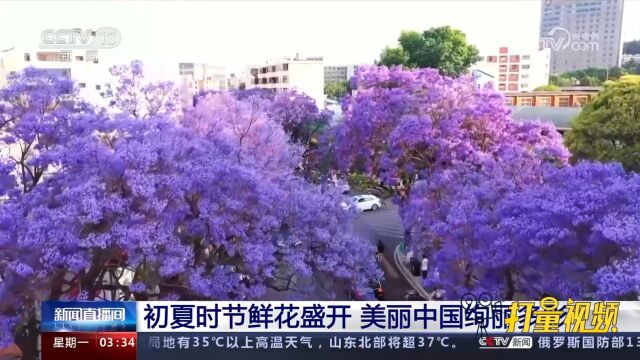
240 33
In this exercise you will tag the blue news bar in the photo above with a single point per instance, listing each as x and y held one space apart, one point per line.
111 316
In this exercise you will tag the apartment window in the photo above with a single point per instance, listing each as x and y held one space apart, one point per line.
502 87
514 68
526 101
503 68
480 58
503 77
509 101
504 50
503 58
82 85
264 80
543 101
285 67
79 58
285 79
525 85
97 87
492 59
273 69
526 66
513 87
514 58
27 57
513 77
526 57
524 76
563 101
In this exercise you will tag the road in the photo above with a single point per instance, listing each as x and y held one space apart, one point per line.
385 225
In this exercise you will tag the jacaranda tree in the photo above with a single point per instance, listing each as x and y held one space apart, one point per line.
132 94
171 203
494 203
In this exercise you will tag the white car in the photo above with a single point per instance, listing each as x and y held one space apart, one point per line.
364 202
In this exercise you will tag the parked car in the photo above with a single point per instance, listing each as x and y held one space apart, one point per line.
363 202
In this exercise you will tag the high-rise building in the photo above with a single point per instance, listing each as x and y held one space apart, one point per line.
582 33
513 69
303 74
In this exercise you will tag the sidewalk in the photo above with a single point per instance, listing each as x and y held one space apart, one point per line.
414 281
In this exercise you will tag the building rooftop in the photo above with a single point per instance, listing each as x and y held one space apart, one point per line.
559 116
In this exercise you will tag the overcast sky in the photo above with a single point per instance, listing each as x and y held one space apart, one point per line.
235 34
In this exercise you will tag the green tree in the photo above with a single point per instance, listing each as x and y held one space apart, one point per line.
336 90
393 56
608 129
632 66
442 48
550 87
561 81
631 47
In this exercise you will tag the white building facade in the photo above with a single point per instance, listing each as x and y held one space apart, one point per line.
515 70
582 33
199 77
82 66
305 75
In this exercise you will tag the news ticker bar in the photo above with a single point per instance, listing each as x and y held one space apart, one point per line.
349 317
311 346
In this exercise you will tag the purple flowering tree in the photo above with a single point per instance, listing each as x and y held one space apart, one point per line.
451 152
245 127
186 208
133 95
39 110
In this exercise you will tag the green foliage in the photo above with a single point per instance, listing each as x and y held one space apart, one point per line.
336 90
441 48
560 81
631 47
608 129
587 77
362 183
550 87
393 56
632 66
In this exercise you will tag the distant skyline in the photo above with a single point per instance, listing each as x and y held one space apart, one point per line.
240 33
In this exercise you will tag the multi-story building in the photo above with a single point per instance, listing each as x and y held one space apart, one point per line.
82 66
562 98
339 73
515 70
582 33
306 75
196 78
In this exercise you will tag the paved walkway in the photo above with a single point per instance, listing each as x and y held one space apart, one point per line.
414 281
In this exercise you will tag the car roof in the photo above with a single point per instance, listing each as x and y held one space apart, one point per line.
364 196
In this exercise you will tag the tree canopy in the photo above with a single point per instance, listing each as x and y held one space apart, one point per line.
494 203
442 48
202 205
607 128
